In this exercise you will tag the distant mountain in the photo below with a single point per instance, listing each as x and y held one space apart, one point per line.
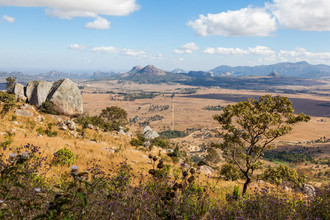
103 75
179 71
299 69
21 77
55 75
200 74
149 70
152 74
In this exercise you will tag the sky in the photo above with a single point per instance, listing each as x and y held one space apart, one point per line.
115 35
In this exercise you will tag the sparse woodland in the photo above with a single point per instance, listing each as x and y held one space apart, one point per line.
169 186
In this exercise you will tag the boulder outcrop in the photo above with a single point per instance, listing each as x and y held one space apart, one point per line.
64 94
19 92
149 134
66 97
37 92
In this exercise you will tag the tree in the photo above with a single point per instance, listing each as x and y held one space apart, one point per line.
250 127
115 116
8 101
10 84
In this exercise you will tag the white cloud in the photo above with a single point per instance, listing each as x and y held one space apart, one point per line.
244 22
123 51
303 54
258 50
307 15
128 52
188 48
77 47
99 23
8 18
81 8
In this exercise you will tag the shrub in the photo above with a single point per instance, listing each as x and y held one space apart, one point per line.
172 134
48 107
111 119
160 142
136 142
115 115
10 84
230 172
9 102
212 155
64 157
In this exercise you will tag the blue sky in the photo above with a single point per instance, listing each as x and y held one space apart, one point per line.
92 35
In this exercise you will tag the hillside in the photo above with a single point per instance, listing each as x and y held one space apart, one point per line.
152 74
299 69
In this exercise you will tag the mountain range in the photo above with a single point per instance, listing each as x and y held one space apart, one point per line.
152 74
299 69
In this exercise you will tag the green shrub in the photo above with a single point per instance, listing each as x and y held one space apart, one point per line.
9 102
48 107
136 142
172 134
160 142
111 119
40 130
48 131
64 157
10 84
212 155
230 172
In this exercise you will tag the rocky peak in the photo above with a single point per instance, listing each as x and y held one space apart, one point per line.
147 70
150 69
135 70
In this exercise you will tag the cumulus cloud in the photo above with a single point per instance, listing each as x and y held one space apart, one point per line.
244 22
123 51
68 9
8 18
302 53
187 48
258 50
77 47
81 8
99 23
307 15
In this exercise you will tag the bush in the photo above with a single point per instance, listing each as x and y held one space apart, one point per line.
172 134
111 119
160 142
64 157
26 193
115 115
230 172
212 155
136 142
9 102
48 107
48 131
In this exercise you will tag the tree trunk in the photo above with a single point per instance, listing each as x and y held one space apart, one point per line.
247 182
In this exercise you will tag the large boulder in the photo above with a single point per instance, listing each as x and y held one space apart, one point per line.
66 97
19 92
206 170
149 134
37 92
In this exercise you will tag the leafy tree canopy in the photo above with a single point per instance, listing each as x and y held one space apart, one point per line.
251 126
